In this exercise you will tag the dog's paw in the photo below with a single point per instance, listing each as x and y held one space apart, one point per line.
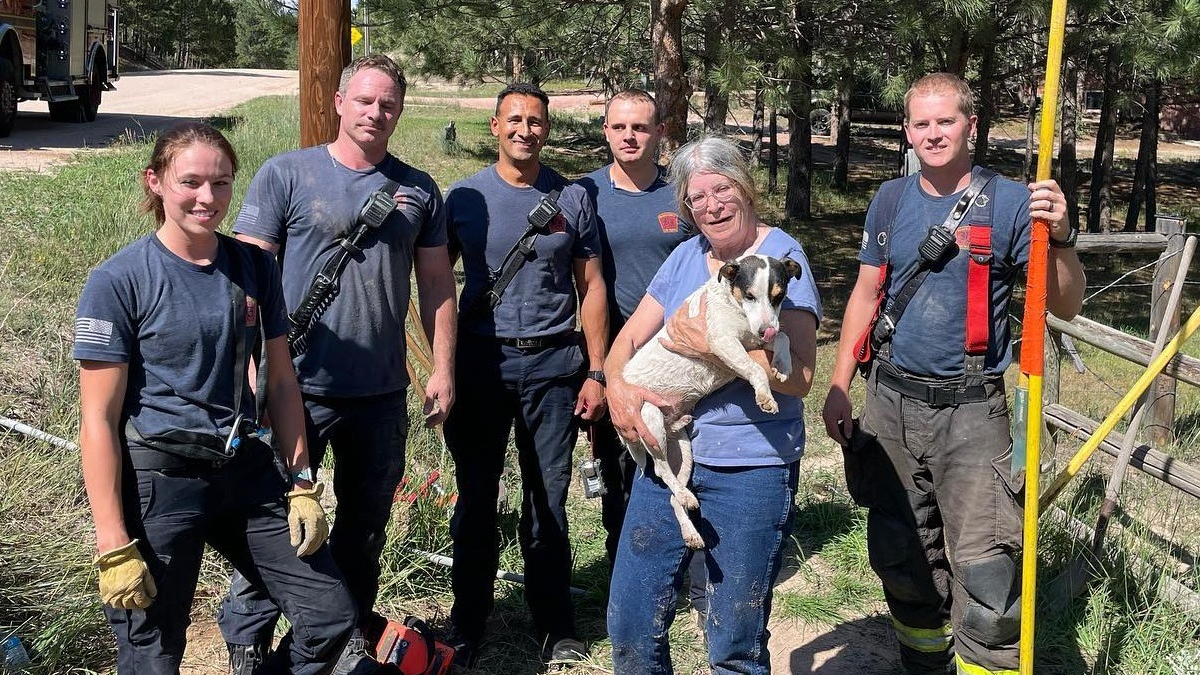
693 540
766 402
680 423
688 500
779 375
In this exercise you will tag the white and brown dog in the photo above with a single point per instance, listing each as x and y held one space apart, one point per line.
743 302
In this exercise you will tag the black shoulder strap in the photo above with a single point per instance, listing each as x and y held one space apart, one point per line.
253 334
539 219
324 287
886 325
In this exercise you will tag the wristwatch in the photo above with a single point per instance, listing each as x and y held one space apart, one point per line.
1072 236
597 375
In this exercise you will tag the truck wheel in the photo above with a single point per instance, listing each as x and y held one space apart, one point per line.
820 120
89 97
8 97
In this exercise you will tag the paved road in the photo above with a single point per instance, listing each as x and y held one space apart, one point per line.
143 103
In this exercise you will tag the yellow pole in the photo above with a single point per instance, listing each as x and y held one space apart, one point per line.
1152 371
1031 349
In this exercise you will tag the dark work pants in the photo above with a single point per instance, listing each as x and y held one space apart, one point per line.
241 512
617 470
502 388
367 435
944 525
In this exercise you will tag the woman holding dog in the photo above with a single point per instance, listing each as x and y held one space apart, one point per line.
170 458
746 460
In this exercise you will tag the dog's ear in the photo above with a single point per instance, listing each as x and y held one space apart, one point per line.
728 271
793 268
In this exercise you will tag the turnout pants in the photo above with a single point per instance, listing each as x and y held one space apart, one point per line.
499 388
241 512
944 526
367 435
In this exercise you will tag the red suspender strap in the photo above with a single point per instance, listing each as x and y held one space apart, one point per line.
862 348
979 289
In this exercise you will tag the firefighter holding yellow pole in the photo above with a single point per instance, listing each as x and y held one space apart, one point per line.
930 454
1028 403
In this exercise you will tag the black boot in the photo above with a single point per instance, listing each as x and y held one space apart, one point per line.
245 659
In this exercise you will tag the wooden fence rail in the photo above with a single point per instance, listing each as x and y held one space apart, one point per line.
1159 429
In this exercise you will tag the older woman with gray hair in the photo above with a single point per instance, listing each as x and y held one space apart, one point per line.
746 460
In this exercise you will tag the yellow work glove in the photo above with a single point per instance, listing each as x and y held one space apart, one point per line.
125 581
306 519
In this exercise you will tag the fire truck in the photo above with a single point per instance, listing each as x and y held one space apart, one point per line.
61 51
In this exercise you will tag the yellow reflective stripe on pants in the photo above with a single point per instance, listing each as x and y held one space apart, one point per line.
965 668
928 640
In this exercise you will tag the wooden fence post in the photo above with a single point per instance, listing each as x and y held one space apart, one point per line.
1160 421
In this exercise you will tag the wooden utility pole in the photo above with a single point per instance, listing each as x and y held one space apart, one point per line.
324 51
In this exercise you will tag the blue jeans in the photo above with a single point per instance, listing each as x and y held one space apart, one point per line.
745 513
239 510
368 437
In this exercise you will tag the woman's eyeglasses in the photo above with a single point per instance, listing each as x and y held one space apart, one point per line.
722 193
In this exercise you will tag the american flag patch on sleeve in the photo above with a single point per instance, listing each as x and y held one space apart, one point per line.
93 331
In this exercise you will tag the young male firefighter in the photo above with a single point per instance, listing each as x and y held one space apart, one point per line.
930 455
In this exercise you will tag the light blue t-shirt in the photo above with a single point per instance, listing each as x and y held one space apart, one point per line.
930 336
728 428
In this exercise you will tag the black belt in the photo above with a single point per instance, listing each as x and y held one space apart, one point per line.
540 342
936 395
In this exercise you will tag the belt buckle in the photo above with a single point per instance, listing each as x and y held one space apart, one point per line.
529 343
940 396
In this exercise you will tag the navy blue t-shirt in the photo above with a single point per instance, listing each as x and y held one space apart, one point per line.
486 216
305 201
175 324
638 230
930 337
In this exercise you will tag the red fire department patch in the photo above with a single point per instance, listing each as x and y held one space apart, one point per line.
251 311
669 222
558 224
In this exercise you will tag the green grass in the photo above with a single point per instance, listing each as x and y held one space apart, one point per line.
57 227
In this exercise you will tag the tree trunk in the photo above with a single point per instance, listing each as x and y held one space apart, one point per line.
1100 195
1031 120
757 127
716 101
958 52
671 87
516 65
987 107
1068 167
841 131
797 203
773 153
1143 185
